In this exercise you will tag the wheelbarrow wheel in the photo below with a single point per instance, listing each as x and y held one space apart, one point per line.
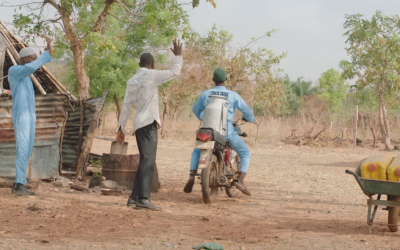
393 215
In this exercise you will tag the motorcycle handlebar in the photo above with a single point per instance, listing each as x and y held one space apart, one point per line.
244 134
244 120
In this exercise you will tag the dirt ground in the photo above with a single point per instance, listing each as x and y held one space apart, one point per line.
302 199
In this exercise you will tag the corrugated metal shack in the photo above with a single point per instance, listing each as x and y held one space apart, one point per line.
51 114
58 140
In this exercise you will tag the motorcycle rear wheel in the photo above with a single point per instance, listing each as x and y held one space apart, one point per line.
209 186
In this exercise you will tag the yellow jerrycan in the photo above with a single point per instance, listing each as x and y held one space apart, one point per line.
393 171
375 167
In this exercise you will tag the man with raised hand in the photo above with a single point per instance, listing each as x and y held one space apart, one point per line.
142 93
24 109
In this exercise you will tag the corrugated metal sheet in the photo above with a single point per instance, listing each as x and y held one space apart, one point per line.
51 113
71 134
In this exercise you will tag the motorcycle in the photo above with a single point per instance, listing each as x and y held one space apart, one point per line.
219 163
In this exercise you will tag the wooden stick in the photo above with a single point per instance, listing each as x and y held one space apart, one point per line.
323 129
81 188
355 125
61 140
10 184
11 48
80 140
57 83
35 82
11 34
373 133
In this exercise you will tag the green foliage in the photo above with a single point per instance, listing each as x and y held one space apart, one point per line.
111 51
333 89
196 3
374 49
301 87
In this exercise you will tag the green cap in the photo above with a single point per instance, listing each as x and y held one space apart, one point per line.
220 75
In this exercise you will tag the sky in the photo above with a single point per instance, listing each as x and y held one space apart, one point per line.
311 31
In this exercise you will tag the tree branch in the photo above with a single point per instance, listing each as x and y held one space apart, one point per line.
103 15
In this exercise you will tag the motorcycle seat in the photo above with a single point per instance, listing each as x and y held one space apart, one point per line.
216 136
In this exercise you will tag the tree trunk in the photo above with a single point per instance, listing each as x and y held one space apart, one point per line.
384 123
80 72
259 123
373 133
165 113
118 105
387 128
77 51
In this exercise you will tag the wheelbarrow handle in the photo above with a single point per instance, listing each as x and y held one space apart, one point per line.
359 182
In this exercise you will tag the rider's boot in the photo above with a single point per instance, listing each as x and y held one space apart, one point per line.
240 185
189 185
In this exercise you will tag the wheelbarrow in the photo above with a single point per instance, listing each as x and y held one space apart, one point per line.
372 187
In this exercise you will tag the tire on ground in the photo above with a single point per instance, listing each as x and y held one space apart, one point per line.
393 214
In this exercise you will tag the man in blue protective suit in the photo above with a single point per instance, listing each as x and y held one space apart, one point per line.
23 109
235 142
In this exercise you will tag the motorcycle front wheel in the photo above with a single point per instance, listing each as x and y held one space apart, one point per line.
209 176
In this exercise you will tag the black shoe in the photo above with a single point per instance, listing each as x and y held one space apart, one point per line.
189 185
146 204
20 189
132 201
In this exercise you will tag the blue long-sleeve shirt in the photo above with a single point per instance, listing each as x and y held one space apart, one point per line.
21 84
235 102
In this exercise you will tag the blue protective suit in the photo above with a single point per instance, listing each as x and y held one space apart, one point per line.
23 111
235 142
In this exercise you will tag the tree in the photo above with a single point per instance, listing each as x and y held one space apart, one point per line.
84 24
302 87
246 68
113 59
332 89
374 49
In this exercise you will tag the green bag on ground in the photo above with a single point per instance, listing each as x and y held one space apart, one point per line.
209 246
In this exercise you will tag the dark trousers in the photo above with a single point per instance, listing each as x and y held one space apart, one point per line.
146 138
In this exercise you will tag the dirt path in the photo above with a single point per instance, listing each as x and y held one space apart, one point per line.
302 199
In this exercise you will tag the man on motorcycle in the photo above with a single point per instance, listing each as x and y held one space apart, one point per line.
235 142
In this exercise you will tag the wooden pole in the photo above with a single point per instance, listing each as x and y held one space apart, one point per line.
8 36
355 124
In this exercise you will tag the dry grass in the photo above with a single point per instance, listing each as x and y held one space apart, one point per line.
273 130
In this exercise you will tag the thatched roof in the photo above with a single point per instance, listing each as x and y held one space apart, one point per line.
43 81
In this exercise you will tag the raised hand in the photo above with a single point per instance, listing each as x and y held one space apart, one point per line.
49 45
177 50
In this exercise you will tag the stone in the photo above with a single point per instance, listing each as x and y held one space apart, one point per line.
61 183
108 184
